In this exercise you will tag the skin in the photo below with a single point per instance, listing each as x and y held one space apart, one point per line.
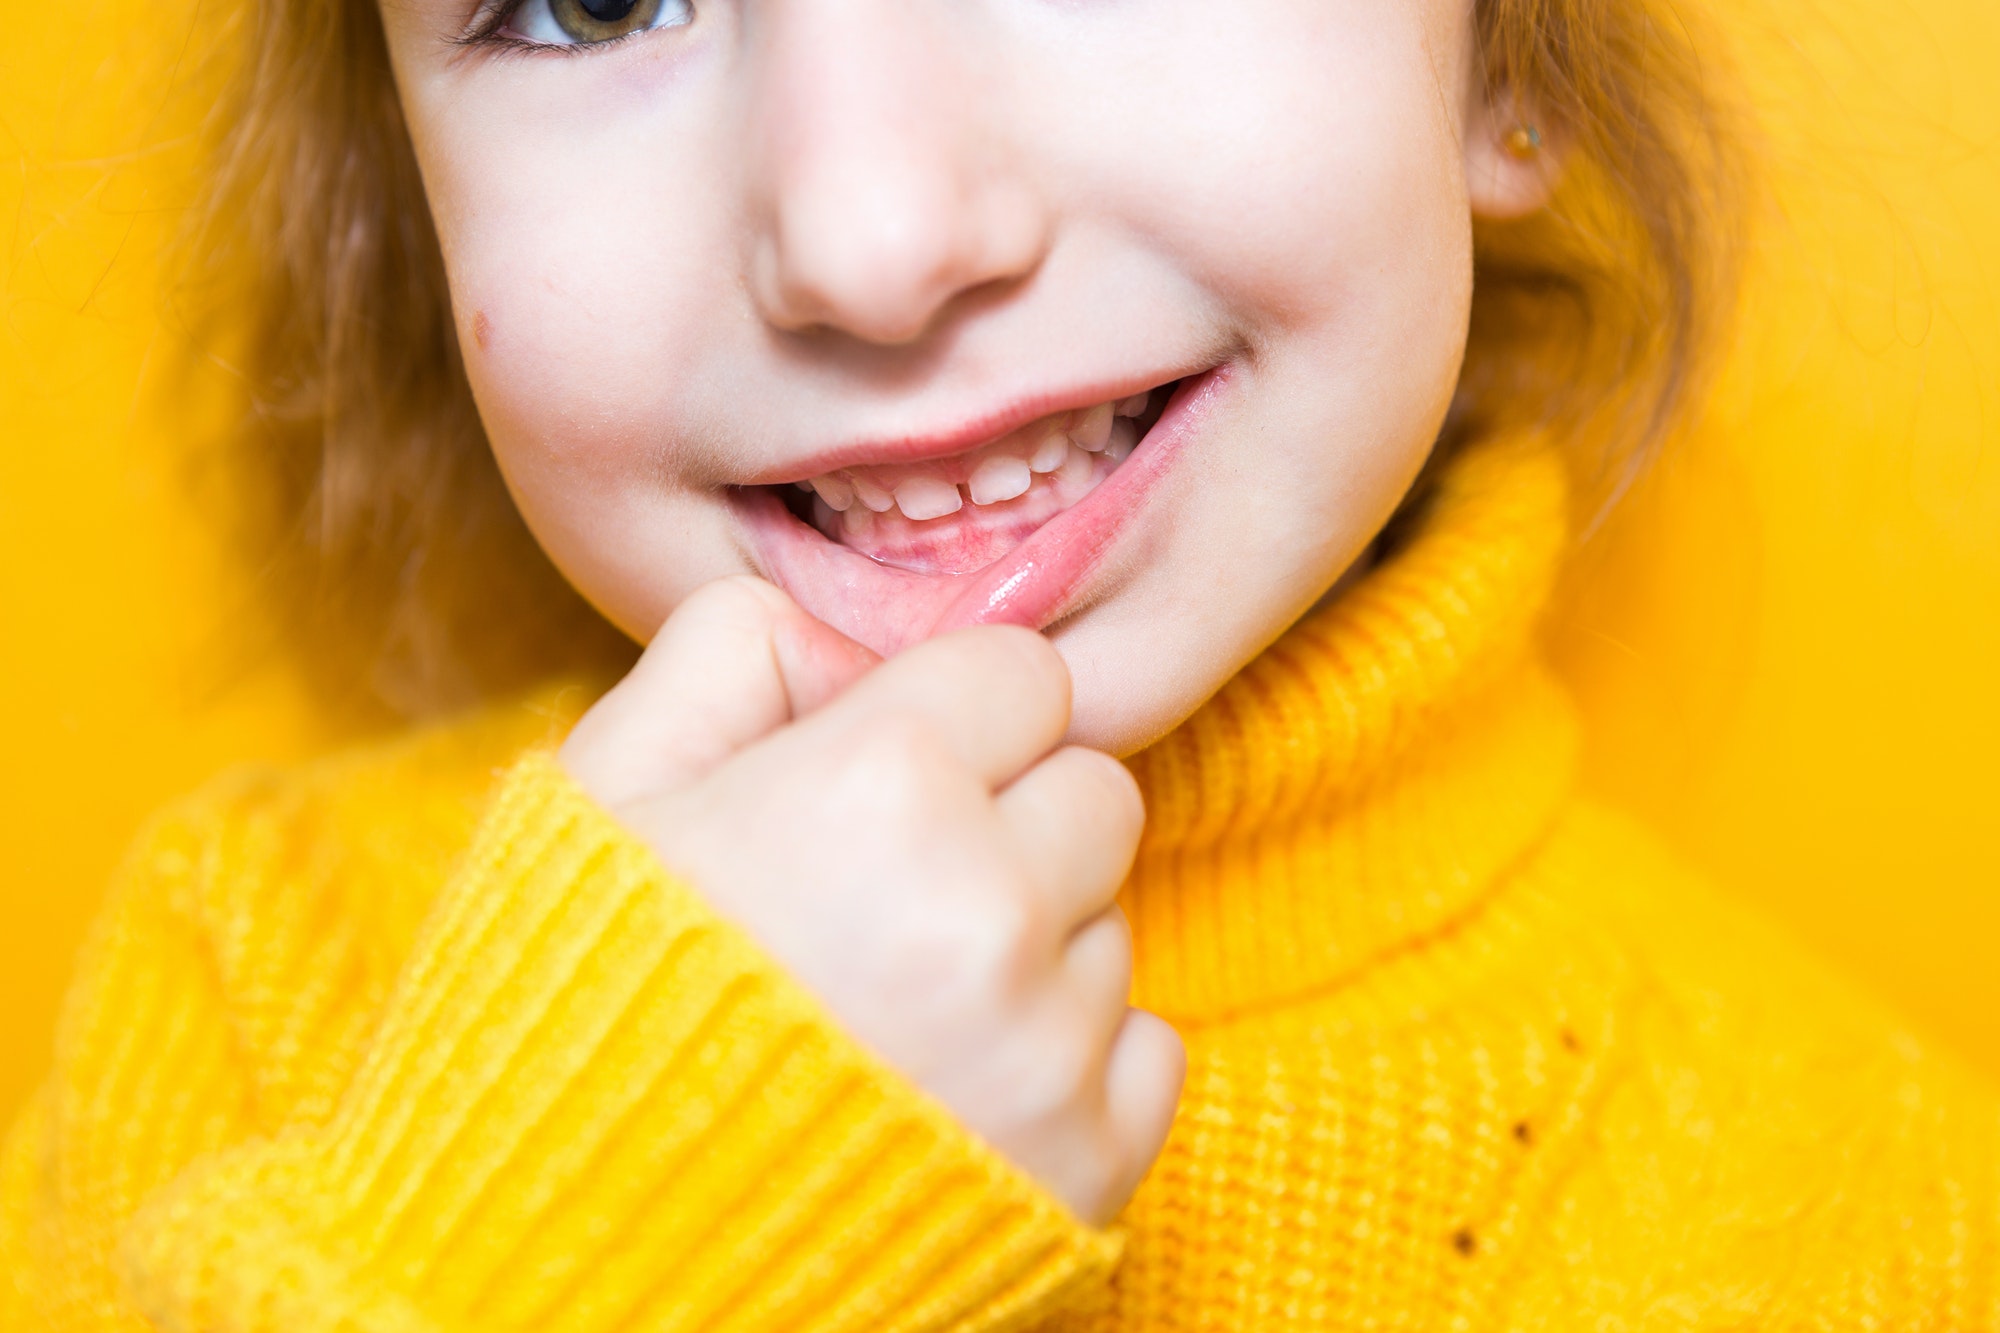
709 253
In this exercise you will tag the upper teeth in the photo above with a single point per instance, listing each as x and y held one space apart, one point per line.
1049 454
927 497
1093 429
998 478
873 496
1124 438
1059 447
835 489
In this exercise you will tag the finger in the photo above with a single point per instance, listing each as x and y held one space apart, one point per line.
733 662
817 661
1097 967
995 696
1075 820
1142 1091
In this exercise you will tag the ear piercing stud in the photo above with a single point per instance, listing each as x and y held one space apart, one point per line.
1522 142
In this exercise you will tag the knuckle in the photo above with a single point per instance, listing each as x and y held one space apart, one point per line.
1055 1077
968 951
903 739
990 933
1103 949
897 765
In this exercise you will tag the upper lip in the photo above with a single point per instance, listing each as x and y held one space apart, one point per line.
968 434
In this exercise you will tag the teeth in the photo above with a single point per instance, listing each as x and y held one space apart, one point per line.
1049 454
872 495
1093 428
1064 453
1076 469
1124 438
998 478
834 489
923 498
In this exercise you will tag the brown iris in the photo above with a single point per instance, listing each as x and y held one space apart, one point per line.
602 20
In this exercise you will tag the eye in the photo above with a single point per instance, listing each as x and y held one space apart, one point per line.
593 22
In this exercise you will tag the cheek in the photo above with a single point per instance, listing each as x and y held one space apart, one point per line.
582 302
587 443
582 354
1308 163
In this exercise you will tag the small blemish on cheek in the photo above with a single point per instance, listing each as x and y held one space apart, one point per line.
482 329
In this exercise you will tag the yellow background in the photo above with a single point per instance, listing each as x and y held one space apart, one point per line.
1789 642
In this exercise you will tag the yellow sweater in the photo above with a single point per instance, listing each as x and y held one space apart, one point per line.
417 1039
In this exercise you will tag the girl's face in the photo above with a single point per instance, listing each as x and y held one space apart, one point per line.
1130 320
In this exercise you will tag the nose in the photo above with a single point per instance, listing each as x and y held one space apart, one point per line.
882 190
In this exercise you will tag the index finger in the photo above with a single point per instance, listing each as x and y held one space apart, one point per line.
996 696
735 661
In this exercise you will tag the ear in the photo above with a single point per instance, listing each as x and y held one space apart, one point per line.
1513 158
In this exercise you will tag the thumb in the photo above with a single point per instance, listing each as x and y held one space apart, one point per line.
735 661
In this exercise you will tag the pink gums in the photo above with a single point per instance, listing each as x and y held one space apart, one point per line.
889 608
975 536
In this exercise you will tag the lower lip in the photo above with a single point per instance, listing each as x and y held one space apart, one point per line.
889 609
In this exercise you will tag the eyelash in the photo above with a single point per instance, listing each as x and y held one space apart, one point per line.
488 32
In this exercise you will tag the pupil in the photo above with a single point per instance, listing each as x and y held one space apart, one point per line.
607 11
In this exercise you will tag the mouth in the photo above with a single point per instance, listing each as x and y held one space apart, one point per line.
1008 531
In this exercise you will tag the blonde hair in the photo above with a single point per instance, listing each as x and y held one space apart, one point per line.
388 551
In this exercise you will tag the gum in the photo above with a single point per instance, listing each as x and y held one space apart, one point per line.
972 538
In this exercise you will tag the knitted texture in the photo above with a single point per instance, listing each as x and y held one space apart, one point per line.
418 1040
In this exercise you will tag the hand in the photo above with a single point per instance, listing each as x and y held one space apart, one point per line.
908 840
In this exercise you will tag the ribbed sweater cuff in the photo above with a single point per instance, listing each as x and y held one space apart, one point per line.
596 1105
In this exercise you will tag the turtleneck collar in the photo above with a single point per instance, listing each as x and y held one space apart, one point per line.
1363 783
